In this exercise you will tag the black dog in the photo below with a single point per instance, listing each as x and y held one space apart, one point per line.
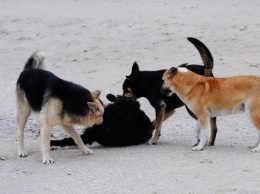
124 124
148 84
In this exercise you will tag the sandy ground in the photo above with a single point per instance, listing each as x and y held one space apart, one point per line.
94 43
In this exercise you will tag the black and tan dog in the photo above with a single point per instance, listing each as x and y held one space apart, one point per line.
148 84
57 102
124 124
210 97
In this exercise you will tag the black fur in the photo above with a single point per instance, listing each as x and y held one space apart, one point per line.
40 85
148 83
204 53
124 124
57 101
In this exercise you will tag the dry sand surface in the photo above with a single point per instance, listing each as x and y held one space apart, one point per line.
94 43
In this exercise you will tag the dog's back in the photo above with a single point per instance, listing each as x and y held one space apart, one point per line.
125 124
39 86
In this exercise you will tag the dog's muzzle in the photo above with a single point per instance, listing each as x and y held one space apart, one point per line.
167 91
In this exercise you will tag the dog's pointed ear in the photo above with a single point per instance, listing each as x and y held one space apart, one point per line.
111 97
135 68
183 65
92 106
96 93
172 71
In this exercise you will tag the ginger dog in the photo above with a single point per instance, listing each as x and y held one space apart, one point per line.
210 97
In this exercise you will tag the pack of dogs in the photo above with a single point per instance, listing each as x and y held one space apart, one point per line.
122 122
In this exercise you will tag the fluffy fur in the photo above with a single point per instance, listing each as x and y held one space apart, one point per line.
148 84
211 97
124 124
57 102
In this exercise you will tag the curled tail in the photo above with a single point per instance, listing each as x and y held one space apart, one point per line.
35 61
205 55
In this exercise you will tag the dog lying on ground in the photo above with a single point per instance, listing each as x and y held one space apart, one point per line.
148 84
57 101
124 124
210 97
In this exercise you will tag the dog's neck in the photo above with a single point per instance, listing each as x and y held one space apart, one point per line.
184 82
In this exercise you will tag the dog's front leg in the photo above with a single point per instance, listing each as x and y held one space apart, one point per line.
158 123
204 136
256 147
76 137
21 150
196 134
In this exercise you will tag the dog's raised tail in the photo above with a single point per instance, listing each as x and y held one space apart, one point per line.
205 55
35 61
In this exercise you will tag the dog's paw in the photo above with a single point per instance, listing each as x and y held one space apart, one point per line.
256 149
87 151
22 153
154 141
47 161
253 146
53 148
195 143
197 148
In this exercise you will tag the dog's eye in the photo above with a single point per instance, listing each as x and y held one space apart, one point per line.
129 89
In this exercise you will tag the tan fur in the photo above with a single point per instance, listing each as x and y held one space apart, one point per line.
158 123
210 97
51 115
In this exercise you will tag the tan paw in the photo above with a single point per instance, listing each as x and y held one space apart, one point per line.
22 153
87 151
197 148
256 149
155 140
47 161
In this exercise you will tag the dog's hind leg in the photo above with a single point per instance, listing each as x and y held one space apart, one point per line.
214 130
158 123
22 114
76 137
256 147
253 114
45 133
